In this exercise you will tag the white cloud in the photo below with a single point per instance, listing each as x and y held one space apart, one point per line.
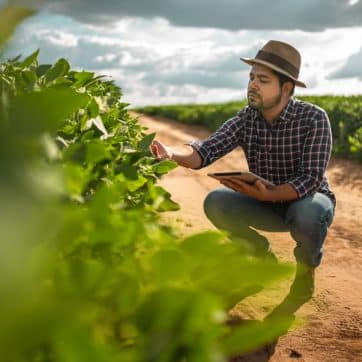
59 38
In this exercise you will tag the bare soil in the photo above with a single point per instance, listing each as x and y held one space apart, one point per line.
332 328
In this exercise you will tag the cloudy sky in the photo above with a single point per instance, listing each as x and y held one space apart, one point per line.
178 51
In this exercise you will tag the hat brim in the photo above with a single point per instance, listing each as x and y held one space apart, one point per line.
251 61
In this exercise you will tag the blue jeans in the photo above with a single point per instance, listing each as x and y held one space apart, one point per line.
307 219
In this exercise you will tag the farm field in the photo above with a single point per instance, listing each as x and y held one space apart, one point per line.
106 254
333 330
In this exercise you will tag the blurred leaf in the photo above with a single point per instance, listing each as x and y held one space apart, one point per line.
42 69
130 171
74 344
97 151
93 108
75 152
169 265
162 199
59 69
202 244
30 60
76 179
10 17
36 112
30 79
134 185
252 334
51 148
180 334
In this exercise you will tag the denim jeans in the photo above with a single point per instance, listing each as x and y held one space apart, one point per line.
306 219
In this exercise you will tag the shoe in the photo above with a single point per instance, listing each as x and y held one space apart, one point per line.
300 292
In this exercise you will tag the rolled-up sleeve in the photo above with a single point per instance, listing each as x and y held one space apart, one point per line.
223 141
315 156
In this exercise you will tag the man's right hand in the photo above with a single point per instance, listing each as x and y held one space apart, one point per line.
160 151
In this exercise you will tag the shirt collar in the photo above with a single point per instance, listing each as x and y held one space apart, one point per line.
288 112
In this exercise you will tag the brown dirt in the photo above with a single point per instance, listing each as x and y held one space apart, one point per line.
333 328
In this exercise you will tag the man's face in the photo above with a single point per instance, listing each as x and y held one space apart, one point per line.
263 88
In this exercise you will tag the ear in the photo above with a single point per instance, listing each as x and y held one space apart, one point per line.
287 89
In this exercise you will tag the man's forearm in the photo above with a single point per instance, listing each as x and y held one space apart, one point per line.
283 192
187 157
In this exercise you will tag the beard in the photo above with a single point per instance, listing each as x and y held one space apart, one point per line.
255 101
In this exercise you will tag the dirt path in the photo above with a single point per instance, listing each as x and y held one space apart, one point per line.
334 316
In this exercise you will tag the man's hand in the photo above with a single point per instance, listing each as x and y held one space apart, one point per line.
258 190
186 157
160 151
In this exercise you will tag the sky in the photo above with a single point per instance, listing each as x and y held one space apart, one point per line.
173 51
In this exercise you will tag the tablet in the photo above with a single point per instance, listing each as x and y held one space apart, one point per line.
245 176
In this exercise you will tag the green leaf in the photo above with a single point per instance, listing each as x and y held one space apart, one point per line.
61 82
97 151
29 78
164 167
136 184
162 199
82 78
42 69
30 60
75 152
130 171
59 69
93 108
146 142
76 179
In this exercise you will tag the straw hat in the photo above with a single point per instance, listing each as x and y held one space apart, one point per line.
281 57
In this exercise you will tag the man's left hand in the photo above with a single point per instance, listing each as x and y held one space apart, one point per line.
258 190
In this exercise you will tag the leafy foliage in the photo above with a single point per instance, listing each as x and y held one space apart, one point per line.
87 272
345 114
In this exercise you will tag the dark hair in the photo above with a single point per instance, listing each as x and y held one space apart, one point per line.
283 79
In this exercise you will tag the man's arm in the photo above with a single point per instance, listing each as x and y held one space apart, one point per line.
315 157
186 156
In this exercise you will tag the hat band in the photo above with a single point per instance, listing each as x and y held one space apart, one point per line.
278 61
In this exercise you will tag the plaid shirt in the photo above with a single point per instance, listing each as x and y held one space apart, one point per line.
295 149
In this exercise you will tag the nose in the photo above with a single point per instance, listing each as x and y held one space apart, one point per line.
253 84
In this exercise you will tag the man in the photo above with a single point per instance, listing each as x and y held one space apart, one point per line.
287 142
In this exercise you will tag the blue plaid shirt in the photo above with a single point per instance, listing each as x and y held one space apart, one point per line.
295 149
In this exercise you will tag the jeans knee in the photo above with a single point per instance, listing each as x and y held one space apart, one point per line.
308 227
309 219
